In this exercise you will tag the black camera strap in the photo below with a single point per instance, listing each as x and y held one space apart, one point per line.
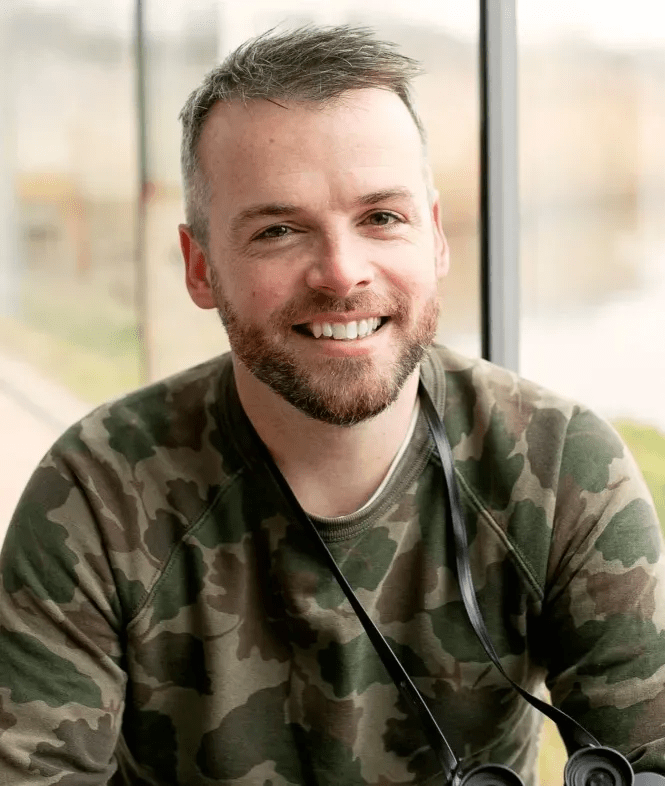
393 666
574 736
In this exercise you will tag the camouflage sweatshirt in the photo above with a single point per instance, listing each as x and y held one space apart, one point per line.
165 621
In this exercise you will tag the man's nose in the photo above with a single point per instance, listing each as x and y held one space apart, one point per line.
341 266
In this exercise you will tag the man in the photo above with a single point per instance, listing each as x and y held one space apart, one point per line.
166 619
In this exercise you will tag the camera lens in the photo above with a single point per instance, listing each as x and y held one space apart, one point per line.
598 767
599 777
491 775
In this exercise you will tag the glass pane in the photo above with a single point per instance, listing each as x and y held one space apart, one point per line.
186 39
592 124
67 206
592 160
70 138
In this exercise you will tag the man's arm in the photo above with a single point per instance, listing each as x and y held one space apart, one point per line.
604 612
61 679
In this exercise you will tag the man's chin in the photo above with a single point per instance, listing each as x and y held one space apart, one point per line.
337 391
342 408
343 398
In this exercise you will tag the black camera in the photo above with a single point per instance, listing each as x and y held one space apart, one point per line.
598 767
591 766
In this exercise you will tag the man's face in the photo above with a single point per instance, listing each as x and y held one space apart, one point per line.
320 224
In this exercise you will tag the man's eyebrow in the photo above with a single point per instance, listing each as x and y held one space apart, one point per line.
385 195
285 210
273 209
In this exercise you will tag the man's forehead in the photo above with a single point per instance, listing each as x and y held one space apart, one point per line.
382 111
261 151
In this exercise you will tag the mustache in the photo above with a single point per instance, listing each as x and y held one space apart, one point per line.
302 307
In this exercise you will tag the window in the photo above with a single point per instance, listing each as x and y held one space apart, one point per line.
592 162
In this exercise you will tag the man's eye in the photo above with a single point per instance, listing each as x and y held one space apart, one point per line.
383 219
279 230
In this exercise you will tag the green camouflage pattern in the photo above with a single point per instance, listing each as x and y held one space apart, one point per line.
164 620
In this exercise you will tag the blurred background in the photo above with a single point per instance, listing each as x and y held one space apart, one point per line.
92 300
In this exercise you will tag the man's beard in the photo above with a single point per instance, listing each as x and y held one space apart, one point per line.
339 391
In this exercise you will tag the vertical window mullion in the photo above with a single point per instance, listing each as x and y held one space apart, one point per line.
499 198
140 255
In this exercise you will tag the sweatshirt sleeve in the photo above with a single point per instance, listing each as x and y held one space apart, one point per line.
61 678
604 609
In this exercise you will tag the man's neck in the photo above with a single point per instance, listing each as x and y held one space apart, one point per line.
332 470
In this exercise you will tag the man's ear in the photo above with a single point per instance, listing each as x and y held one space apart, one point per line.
442 254
196 269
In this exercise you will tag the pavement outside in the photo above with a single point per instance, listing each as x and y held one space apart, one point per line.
34 411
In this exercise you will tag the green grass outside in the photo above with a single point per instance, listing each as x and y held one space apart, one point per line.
647 444
89 376
77 336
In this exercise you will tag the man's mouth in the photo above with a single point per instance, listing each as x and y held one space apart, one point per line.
342 331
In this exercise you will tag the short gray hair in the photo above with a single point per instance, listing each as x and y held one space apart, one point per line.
308 64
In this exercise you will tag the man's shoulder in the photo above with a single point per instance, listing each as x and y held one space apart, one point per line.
163 447
477 383
485 401
134 475
177 412
526 456
168 445
490 408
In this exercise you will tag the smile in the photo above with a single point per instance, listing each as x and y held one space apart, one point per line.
343 331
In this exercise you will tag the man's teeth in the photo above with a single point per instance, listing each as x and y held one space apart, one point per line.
345 330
